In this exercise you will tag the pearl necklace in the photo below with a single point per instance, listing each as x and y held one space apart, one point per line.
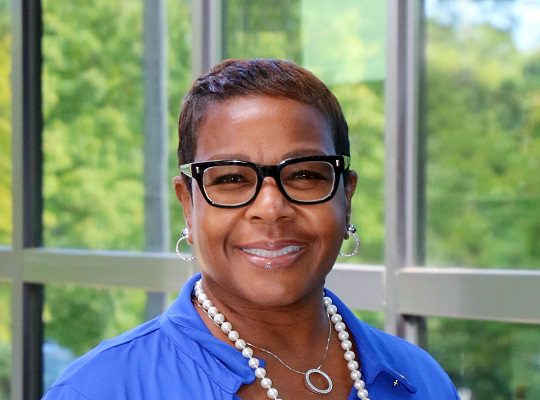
266 383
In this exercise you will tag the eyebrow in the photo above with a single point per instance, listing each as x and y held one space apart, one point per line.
244 157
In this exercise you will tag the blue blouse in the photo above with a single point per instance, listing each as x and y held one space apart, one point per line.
175 357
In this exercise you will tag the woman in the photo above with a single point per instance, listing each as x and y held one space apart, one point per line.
266 190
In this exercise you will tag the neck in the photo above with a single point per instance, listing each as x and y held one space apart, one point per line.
301 325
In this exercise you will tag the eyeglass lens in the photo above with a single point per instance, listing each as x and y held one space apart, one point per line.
307 181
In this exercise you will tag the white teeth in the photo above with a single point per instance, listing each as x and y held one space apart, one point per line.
272 253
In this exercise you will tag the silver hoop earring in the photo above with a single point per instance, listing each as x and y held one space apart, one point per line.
184 235
351 230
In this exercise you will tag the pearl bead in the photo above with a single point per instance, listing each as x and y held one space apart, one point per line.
359 384
253 363
272 393
362 394
346 345
355 375
219 319
340 326
331 309
201 297
226 327
343 335
206 304
266 383
260 372
336 318
352 365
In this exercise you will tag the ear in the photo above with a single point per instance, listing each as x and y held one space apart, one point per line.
183 194
350 187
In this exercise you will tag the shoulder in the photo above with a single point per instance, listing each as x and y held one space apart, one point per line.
64 392
406 362
386 359
115 365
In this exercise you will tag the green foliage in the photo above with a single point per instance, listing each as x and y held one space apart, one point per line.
79 318
5 370
483 194
5 125
483 143
5 340
262 28
497 361
93 146
179 56
93 110
363 106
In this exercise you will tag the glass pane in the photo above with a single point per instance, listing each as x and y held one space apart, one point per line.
77 319
349 56
483 133
5 340
179 64
93 114
5 122
488 360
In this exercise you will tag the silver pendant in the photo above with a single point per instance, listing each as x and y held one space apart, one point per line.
314 388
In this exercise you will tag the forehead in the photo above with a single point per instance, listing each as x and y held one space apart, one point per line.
261 128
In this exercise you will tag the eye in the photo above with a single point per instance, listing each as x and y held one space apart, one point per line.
229 176
305 175
228 179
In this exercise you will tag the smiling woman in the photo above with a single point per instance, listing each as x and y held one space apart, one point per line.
266 192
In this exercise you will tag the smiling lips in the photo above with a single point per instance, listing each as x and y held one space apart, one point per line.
271 255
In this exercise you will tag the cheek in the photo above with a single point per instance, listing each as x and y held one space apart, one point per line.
211 227
338 211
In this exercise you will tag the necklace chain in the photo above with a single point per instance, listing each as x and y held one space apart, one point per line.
266 383
288 366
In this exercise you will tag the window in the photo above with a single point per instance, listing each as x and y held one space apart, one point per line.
93 125
79 318
488 359
5 123
5 339
482 133
464 143
482 145
349 56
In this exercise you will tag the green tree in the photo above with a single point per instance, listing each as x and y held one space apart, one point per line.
5 123
93 146
483 192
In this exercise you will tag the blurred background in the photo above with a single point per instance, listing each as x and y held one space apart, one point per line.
478 138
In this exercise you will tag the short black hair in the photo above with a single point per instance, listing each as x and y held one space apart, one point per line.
257 77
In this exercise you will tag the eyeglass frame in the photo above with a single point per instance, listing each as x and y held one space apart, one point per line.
195 170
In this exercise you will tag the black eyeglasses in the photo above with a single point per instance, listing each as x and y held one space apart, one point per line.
302 180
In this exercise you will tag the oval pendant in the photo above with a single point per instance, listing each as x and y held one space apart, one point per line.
314 388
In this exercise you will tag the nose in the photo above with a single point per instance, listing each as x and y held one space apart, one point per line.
270 205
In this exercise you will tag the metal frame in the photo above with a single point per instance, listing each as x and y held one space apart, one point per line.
397 289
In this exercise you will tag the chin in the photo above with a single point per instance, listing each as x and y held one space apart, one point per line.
273 293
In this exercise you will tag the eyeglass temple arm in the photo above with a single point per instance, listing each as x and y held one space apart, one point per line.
186 170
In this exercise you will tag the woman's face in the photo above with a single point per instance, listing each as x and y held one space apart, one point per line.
271 252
